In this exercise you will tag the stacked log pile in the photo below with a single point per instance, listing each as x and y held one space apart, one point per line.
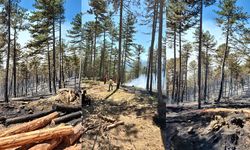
62 127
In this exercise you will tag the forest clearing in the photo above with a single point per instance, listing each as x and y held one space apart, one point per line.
125 74
215 126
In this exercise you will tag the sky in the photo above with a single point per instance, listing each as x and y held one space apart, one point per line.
209 24
72 7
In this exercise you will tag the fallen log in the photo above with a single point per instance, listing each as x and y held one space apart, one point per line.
26 117
108 119
114 125
49 145
66 108
74 122
29 126
35 136
67 118
78 131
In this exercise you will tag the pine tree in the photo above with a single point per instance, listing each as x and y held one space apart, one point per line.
161 107
151 49
128 35
187 50
19 16
137 65
76 34
6 97
209 44
98 8
230 18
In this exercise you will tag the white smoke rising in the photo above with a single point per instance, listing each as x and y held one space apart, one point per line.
141 81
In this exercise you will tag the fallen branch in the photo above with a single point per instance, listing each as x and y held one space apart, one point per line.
114 125
67 118
108 119
29 126
26 117
66 108
50 145
35 136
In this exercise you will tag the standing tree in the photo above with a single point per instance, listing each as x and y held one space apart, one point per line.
99 10
128 35
187 50
19 16
209 44
6 98
151 49
61 19
76 38
161 104
230 18
137 67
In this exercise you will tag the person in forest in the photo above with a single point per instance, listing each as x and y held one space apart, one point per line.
111 82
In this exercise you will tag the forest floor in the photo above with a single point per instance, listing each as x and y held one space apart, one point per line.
224 126
134 107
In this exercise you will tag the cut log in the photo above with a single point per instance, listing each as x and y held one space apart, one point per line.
66 108
35 136
49 145
29 126
114 125
108 119
27 117
78 131
67 118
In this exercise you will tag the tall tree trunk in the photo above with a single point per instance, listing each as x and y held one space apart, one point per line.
60 52
101 68
110 56
186 88
206 76
91 58
36 76
14 65
150 63
194 86
174 80
80 73
120 47
50 89
161 107
180 68
223 67
62 67
54 53
6 97
199 57
94 63
26 82
152 59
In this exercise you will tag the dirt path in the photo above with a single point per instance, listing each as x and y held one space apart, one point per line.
135 109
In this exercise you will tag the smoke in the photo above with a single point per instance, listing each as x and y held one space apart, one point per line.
141 82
